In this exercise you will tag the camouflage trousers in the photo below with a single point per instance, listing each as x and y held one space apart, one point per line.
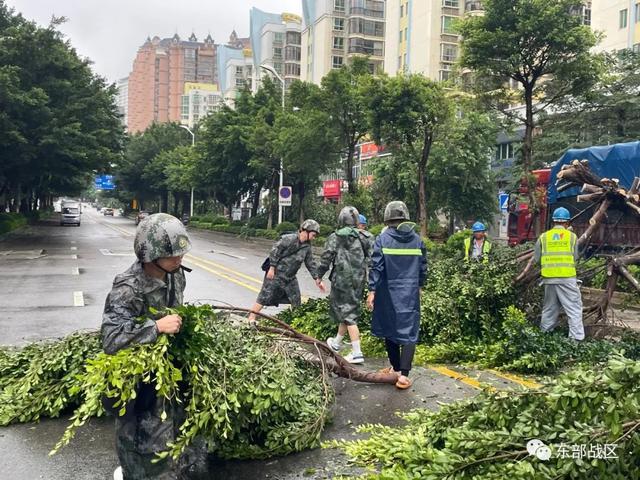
141 435
277 291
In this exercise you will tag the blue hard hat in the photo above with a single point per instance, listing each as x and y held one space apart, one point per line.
561 214
478 227
362 219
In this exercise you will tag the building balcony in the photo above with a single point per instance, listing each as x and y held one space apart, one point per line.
373 52
366 12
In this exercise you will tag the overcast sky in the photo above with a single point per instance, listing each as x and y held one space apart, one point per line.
109 32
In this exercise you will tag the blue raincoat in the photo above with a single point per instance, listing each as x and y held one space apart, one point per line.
398 270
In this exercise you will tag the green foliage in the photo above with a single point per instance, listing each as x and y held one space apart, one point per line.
246 394
11 221
526 41
40 380
59 120
408 113
361 198
486 437
286 227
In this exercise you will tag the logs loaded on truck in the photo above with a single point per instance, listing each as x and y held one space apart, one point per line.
600 186
580 181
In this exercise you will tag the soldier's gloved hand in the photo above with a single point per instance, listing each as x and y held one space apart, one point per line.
169 324
271 273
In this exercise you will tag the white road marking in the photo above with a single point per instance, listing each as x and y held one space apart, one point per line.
232 255
106 251
73 241
78 299
75 271
74 248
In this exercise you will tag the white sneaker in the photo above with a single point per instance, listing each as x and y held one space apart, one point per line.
117 474
336 347
355 359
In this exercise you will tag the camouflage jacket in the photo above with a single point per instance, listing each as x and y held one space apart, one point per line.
287 256
348 252
131 296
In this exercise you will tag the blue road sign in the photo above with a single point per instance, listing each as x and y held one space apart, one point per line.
104 182
503 199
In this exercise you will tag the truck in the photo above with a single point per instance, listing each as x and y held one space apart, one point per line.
621 227
70 211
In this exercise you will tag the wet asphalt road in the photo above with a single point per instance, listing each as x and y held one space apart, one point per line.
55 280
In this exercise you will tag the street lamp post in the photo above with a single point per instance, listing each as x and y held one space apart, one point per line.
193 144
273 72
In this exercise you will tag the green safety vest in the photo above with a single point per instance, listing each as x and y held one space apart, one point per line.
558 246
486 248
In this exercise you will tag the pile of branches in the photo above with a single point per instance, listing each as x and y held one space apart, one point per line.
498 435
249 391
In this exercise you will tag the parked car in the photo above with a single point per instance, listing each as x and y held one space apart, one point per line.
107 211
141 216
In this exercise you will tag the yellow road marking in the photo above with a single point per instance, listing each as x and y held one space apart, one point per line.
117 229
460 376
516 379
222 275
222 267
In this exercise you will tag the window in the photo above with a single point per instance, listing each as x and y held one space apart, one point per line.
293 38
406 34
239 71
278 37
636 48
336 61
277 52
366 27
239 82
448 52
338 24
637 12
338 5
450 3
292 53
504 151
400 36
189 53
338 43
399 62
447 24
623 18
292 69
277 66
366 47
401 11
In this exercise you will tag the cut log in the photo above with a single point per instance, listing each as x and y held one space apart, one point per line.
630 278
588 188
590 197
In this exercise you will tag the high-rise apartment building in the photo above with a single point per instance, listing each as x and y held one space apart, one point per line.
619 22
336 30
420 36
275 41
160 70
236 71
122 99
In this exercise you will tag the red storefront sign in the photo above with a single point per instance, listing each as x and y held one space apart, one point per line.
331 188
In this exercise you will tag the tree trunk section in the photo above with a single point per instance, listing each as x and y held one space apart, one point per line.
422 181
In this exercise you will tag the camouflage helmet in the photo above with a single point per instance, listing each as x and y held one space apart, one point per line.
396 210
160 235
310 225
348 216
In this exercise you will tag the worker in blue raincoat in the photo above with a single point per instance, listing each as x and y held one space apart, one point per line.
398 270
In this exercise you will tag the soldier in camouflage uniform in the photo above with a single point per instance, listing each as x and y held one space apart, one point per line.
287 255
156 280
347 254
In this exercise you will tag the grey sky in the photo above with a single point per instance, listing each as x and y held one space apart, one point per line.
109 32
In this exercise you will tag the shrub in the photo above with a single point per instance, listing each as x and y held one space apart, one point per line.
286 227
11 221
259 221
325 230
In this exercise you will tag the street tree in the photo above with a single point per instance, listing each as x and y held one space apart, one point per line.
141 172
58 120
407 113
307 140
344 99
462 186
541 45
180 173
